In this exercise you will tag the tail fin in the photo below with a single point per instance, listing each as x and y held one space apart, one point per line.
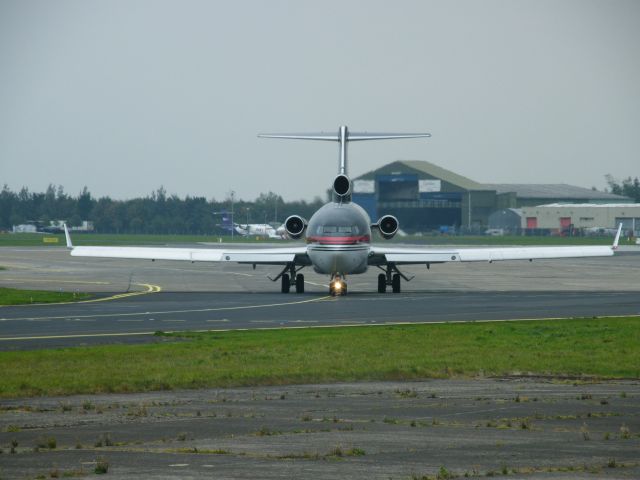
67 237
343 136
617 239
227 221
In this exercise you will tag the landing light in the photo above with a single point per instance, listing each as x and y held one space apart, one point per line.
337 285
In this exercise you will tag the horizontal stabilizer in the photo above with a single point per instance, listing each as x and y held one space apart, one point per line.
350 137
343 136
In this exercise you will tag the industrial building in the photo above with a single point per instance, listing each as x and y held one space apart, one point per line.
563 217
425 196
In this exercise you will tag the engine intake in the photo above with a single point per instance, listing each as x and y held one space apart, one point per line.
388 226
342 185
295 226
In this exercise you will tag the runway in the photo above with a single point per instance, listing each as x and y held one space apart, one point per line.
173 296
131 319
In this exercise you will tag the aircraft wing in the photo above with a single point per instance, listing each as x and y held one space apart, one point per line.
263 256
266 256
417 255
422 255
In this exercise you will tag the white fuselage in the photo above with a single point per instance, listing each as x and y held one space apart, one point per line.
339 239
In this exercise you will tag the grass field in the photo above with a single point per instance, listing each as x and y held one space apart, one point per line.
37 240
602 348
31 239
12 296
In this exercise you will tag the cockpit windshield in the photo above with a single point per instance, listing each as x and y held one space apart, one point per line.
338 231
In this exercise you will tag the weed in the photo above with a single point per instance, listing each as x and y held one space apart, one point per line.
88 405
181 437
336 452
55 473
623 395
266 432
504 470
413 423
612 463
584 430
102 466
355 452
12 428
65 407
585 396
444 474
407 393
625 432
391 421
604 401
14 445
525 424
606 436
306 418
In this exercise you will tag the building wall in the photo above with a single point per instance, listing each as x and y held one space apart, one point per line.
582 216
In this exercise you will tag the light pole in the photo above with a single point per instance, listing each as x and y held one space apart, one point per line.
233 227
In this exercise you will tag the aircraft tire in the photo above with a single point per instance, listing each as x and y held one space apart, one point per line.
286 284
395 283
382 283
300 283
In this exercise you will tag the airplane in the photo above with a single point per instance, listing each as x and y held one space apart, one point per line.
338 238
252 229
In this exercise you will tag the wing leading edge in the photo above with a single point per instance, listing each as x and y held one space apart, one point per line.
263 256
413 255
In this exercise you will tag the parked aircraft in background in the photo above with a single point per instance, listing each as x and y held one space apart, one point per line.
338 239
251 229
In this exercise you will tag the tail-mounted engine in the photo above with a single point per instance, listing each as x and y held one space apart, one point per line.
387 226
295 226
342 187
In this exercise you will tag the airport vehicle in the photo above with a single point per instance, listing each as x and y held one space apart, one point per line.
252 229
338 239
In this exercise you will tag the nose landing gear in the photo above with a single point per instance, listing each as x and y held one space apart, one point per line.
337 286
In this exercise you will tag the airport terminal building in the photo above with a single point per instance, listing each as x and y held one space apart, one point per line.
427 197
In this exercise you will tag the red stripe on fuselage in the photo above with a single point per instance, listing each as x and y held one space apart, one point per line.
339 240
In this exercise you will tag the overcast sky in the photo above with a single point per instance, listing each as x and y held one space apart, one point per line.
125 96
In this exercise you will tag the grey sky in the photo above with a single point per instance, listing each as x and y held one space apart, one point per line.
125 96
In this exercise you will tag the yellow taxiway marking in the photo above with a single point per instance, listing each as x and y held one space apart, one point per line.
48 280
301 327
149 289
137 314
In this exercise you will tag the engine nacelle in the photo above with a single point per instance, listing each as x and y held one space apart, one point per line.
388 226
295 226
342 186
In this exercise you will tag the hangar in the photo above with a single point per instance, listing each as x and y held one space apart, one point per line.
571 216
425 196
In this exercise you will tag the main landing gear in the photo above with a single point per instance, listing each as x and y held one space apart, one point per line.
290 276
391 278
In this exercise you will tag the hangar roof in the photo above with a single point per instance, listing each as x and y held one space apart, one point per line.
556 191
433 171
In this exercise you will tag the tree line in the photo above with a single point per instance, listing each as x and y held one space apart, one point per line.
157 213
627 187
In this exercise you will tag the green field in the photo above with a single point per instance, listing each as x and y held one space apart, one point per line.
601 348
12 296
35 239
32 239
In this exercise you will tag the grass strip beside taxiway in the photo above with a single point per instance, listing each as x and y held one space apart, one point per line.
12 296
33 239
601 347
